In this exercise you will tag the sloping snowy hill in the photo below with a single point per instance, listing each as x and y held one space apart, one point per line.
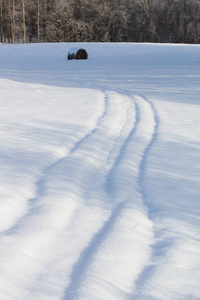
100 172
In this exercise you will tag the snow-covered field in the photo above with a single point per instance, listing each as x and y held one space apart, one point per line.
100 172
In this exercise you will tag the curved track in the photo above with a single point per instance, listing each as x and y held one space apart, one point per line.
103 204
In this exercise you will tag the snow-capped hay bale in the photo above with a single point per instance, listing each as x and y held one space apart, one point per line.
76 53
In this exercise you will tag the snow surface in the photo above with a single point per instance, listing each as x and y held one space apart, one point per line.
100 172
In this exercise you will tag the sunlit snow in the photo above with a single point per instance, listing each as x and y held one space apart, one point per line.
100 172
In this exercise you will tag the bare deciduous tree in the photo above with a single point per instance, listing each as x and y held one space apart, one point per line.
24 20
38 19
173 21
1 21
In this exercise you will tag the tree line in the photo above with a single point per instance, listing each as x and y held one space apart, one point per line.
164 21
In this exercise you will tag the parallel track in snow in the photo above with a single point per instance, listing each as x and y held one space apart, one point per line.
40 185
104 205
148 269
123 187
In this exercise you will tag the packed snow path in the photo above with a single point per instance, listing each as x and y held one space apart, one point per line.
100 174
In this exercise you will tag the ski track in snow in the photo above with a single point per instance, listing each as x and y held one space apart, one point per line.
41 182
141 182
87 255
117 141
112 171
163 244
114 161
148 270
78 144
90 254
109 207
96 239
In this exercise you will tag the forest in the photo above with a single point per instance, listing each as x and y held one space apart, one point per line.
158 21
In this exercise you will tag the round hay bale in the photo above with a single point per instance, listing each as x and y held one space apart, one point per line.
81 54
76 53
